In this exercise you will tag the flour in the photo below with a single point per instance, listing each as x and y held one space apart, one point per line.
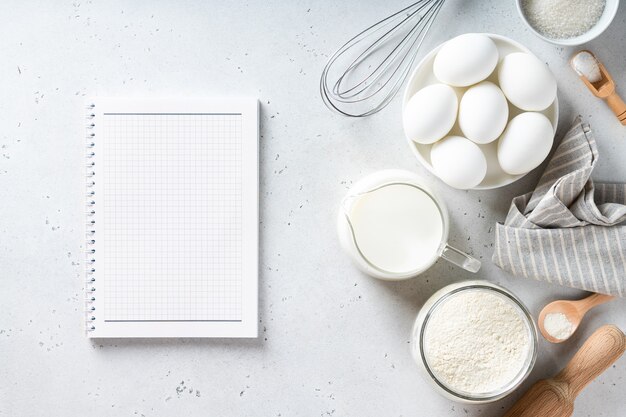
558 326
477 341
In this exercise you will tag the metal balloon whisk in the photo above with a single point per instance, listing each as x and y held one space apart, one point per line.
364 75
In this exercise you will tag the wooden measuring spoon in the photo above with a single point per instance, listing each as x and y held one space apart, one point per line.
555 397
604 89
573 310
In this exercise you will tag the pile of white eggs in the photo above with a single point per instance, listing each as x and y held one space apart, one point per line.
481 110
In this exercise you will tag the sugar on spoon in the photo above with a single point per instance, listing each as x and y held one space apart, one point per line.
599 81
560 319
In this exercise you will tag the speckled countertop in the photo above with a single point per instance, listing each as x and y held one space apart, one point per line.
333 342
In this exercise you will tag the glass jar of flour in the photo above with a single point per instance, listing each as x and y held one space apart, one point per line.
474 341
394 227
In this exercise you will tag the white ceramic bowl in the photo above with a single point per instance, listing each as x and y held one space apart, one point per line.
610 10
423 75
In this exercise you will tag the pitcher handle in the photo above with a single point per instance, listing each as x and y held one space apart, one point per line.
460 259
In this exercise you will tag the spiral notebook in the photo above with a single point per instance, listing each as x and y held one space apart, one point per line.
172 218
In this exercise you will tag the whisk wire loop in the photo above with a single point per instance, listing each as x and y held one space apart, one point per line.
382 67
382 78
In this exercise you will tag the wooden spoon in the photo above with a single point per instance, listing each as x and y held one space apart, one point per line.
573 310
604 89
555 397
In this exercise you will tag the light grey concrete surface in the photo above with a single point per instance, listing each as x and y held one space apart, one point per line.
333 342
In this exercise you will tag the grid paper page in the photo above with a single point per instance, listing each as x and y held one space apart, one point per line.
171 216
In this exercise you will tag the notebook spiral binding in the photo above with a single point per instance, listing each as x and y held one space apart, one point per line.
90 251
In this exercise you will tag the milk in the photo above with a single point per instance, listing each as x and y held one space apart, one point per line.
398 228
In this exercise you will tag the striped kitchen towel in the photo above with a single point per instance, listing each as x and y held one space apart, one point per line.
567 230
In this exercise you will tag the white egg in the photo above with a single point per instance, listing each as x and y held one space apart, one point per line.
483 112
527 82
459 162
430 113
525 143
466 60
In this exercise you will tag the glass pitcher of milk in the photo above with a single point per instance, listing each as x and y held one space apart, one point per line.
395 228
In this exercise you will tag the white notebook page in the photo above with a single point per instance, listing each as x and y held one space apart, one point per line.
171 232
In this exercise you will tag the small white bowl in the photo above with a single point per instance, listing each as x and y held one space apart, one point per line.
610 10
423 75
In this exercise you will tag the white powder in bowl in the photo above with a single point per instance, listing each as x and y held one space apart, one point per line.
477 341
558 326
562 19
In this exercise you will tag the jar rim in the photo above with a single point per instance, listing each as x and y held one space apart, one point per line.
529 360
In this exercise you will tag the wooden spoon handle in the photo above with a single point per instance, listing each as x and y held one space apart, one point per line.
590 302
598 352
618 106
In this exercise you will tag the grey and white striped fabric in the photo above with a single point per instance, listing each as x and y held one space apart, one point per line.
567 230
